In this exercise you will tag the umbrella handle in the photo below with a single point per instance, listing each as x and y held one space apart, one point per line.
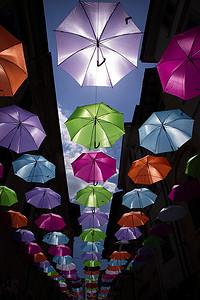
100 64
95 183
128 18
95 147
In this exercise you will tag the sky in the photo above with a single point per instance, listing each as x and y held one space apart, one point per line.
123 97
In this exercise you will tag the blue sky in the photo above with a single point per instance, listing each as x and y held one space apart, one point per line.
123 97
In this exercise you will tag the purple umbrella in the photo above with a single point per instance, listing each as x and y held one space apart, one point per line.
41 197
128 233
21 130
31 248
43 264
93 219
185 191
23 235
91 256
50 222
161 229
98 43
140 258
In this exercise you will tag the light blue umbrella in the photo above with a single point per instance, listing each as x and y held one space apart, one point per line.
48 269
59 278
166 131
139 198
92 247
34 168
63 260
117 262
55 238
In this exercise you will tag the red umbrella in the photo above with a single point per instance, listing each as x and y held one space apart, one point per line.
120 255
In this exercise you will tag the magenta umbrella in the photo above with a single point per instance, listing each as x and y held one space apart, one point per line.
185 191
41 197
128 233
93 219
21 130
50 222
179 67
161 229
94 167
59 250
31 248
1 170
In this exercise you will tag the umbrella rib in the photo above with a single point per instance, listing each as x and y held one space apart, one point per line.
88 66
120 35
87 47
76 34
12 63
7 77
117 4
88 19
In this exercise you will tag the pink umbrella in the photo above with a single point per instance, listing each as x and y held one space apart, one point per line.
59 250
1 170
50 222
185 191
179 67
94 167
31 248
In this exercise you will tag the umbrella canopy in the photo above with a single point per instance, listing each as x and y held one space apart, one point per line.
59 250
92 263
166 131
116 262
63 260
93 196
97 43
192 167
153 241
1 170
21 130
34 168
161 229
128 233
91 256
133 219
8 197
13 218
179 66
92 247
41 197
94 167
12 62
90 273
149 169
146 251
172 213
140 258
139 198
67 267
185 191
92 235
23 235
93 219
43 264
31 248
55 238
120 255
115 268
91 285
95 125
50 222
48 269
37 257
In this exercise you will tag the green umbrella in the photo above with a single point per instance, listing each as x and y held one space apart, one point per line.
52 273
92 263
7 196
95 125
193 166
153 241
92 235
93 196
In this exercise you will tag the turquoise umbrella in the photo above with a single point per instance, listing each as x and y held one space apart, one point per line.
139 198
55 238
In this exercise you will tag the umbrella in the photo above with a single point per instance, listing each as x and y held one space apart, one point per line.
1 170
94 167
90 273
140 258
92 235
55 238
12 63
31 248
69 272
95 125
93 219
21 130
50 222
192 167
59 250
172 213
166 131
161 229
63 260
67 267
91 256
128 233
41 197
139 198
185 191
13 218
92 247
120 255
34 168
112 272
91 269
48 269
37 257
146 251
116 262
91 285
133 219
115 268
179 66
23 235
7 196
93 196
98 43
149 169
43 264
153 241
92 263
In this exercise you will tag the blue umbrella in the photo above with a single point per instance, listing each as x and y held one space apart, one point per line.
139 198
117 262
55 238
47 269
34 168
63 260
92 247
166 131
59 278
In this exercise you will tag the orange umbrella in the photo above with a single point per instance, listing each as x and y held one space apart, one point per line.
149 169
133 219
37 257
115 268
104 291
78 293
91 272
120 255
55 276
12 63
13 218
